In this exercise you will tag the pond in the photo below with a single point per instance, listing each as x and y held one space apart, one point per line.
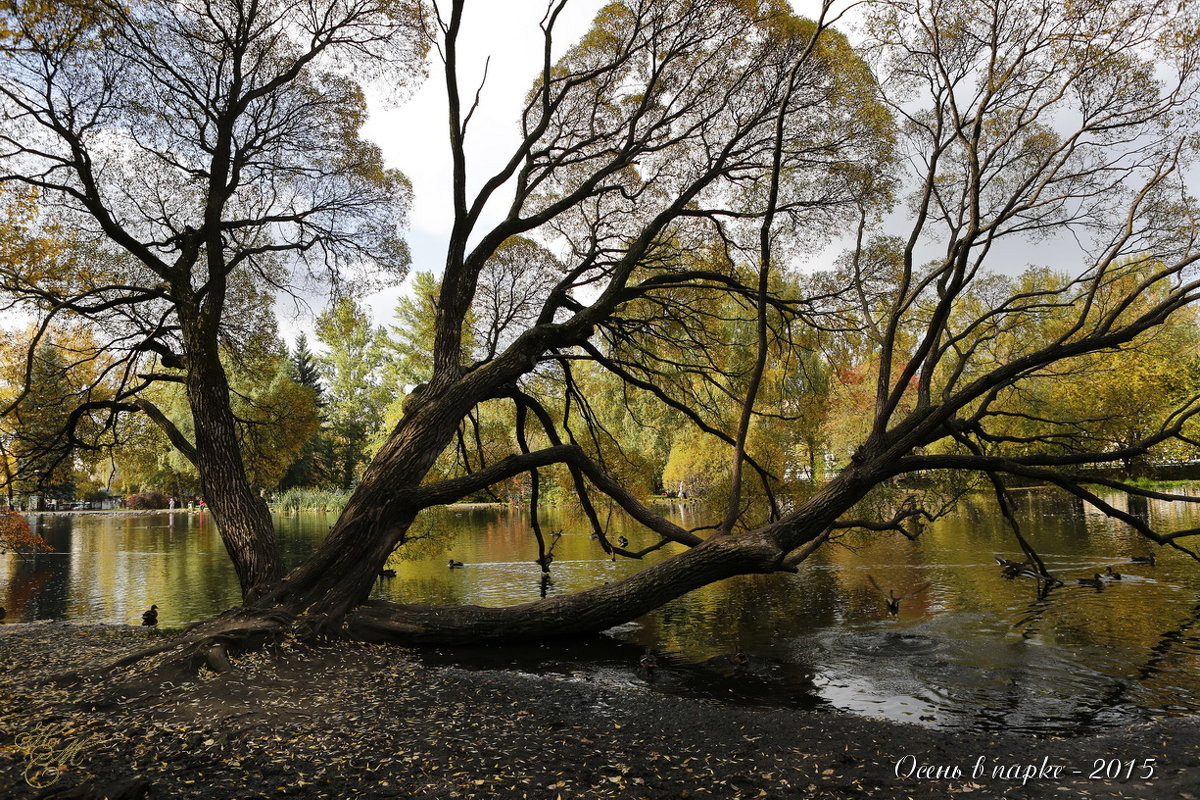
973 650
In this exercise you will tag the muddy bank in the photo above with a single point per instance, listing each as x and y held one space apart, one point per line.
375 722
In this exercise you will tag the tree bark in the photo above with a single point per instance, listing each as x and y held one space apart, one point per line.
578 613
242 516
340 574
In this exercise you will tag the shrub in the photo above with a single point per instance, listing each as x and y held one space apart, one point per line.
148 500
17 537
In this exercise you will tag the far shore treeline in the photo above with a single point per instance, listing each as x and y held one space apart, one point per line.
312 416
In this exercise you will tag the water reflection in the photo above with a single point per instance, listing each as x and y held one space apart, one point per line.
973 650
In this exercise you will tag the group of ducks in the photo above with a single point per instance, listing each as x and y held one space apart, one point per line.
649 662
1097 580
1012 569
388 572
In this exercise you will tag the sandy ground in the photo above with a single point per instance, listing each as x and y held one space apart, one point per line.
357 721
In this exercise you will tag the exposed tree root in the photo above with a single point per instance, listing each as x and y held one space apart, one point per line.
208 645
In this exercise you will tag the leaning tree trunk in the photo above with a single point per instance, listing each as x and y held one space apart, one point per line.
328 594
241 515
340 574
774 548
575 614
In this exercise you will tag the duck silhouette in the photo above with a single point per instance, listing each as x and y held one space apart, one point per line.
1096 582
1011 569
738 657
455 564
1112 574
1149 560
890 597
1024 569
387 572
648 662
150 617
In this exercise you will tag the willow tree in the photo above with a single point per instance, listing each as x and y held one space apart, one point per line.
669 124
1016 122
190 156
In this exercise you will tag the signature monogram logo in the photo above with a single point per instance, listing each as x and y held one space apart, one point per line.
49 752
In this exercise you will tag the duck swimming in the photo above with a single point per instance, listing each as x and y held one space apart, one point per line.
1143 560
1011 569
1096 582
455 564
1112 574
150 617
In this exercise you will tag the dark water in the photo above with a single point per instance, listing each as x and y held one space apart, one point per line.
973 650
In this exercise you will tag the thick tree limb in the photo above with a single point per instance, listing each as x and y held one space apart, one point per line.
180 442
450 490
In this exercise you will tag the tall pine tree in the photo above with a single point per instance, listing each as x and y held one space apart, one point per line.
312 468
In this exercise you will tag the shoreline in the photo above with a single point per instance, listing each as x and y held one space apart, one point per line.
122 512
139 512
377 721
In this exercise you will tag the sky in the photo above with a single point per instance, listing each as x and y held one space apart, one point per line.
503 35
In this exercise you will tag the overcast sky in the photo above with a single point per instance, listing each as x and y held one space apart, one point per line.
414 135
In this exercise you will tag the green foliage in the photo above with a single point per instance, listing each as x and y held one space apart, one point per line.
304 369
298 499
697 466
410 342
44 457
357 387
144 457
276 417
313 464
